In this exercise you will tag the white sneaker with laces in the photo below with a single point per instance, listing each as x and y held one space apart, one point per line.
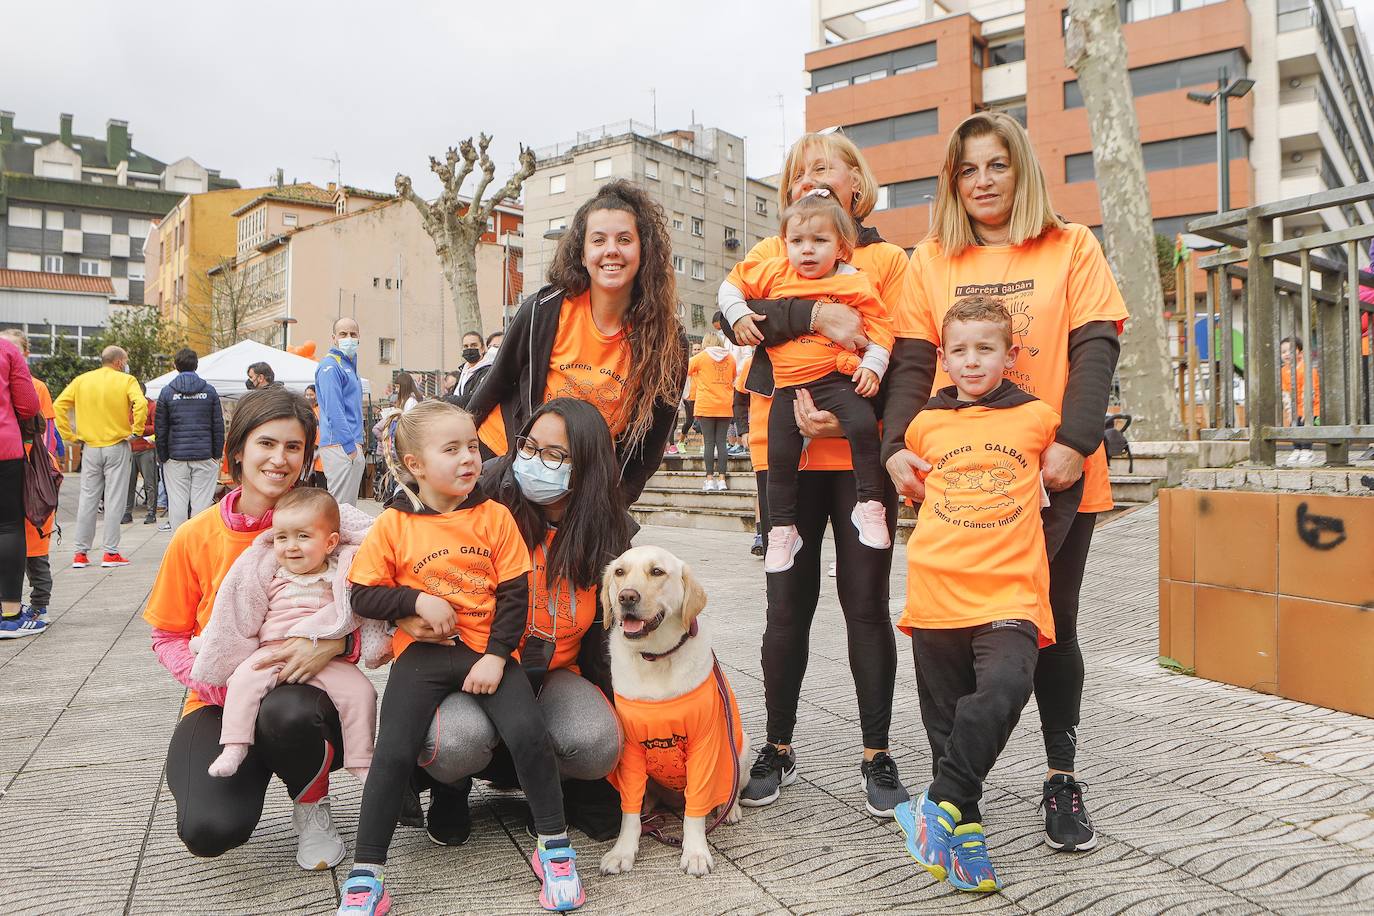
783 544
870 519
708 486
722 485
318 844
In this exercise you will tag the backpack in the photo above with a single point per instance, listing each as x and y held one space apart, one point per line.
1114 437
42 480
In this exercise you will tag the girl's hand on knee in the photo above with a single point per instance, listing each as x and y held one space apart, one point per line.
865 383
438 613
420 631
485 676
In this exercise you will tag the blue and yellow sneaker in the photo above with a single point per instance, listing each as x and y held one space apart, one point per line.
364 895
971 869
929 828
562 889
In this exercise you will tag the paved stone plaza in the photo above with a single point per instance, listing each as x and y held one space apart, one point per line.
1209 799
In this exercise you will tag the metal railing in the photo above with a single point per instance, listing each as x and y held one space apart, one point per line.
592 134
1272 291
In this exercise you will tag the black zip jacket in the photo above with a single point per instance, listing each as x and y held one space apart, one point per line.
521 369
392 603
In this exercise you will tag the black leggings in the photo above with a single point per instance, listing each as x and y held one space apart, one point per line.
297 738
861 578
714 430
12 549
420 679
687 423
1059 672
836 394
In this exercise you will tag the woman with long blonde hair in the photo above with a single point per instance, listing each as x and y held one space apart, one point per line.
995 232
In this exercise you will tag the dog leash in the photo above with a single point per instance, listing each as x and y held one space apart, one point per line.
653 824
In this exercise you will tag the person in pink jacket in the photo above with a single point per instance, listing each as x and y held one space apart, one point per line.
18 404
291 582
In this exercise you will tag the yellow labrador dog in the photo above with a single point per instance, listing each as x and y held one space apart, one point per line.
672 707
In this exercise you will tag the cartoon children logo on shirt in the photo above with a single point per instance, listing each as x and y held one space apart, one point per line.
976 485
666 761
1017 296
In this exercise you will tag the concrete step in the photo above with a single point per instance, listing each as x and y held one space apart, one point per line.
692 480
696 498
1135 488
697 463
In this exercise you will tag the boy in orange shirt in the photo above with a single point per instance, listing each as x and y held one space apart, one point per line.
977 605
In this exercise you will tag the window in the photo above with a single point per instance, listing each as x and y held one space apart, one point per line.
679 178
1175 74
881 202
1166 154
698 226
95 224
1138 10
287 219
730 234
19 260
491 225
1008 53
868 77
558 223
679 264
135 270
878 66
90 267
48 168
903 127
1294 14
52 263
386 347
911 193
696 184
729 152
26 218
53 219
601 168
729 194
558 184
761 206
651 169
679 221
698 270
698 315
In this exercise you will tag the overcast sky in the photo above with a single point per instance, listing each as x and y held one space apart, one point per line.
249 86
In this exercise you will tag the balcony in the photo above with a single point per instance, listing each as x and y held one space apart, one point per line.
1005 81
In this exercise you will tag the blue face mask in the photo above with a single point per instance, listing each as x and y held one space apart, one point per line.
539 484
349 347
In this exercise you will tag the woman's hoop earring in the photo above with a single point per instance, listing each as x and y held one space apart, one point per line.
858 195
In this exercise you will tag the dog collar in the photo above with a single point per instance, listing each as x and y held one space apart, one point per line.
655 656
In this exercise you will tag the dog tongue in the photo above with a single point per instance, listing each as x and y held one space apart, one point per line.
632 625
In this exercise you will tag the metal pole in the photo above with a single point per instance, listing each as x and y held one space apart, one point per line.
1223 147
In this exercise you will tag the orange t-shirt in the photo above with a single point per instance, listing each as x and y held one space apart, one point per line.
38 543
889 269
585 364
196 562
1297 406
460 556
681 744
1052 285
758 421
567 620
978 551
811 356
715 385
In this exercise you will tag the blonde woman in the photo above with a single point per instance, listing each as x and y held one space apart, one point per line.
826 491
995 232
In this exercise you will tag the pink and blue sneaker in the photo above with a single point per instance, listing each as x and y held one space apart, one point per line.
554 864
971 869
929 829
364 895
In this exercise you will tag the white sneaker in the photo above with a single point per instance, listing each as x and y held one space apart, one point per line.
1306 458
722 485
318 844
783 544
870 519
708 486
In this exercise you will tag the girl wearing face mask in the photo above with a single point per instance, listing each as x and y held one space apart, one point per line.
604 330
559 481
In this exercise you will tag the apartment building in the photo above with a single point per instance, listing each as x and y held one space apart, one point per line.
716 213
84 205
898 76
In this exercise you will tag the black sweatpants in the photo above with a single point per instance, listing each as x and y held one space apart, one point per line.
690 407
143 464
836 394
740 407
1059 672
420 679
297 737
973 683
40 581
861 578
12 547
713 429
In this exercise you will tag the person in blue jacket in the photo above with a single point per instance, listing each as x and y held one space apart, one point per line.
340 395
188 430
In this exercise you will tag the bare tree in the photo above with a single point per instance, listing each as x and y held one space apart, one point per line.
456 224
238 297
1096 50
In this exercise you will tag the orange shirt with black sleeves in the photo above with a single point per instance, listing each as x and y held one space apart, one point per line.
1052 285
680 744
585 364
553 613
189 576
715 385
978 551
889 269
460 556
811 356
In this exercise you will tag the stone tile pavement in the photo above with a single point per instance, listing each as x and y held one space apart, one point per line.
1210 799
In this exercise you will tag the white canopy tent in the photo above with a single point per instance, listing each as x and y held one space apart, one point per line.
227 369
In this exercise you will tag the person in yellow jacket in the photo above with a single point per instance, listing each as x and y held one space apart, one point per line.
102 409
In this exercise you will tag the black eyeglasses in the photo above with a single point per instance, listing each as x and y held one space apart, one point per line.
551 456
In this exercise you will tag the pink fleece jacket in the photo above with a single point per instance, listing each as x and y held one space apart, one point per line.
17 396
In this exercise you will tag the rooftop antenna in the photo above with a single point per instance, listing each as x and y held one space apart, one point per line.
338 167
653 92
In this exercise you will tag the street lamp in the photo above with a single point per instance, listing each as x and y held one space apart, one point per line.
285 324
1225 90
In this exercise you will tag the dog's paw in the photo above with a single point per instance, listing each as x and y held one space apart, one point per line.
734 814
617 861
697 862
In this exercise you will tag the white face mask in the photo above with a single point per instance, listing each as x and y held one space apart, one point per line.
349 346
540 484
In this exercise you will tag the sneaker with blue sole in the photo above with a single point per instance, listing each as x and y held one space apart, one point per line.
555 864
929 829
364 895
970 867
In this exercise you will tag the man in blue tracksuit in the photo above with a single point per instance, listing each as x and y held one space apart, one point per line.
339 393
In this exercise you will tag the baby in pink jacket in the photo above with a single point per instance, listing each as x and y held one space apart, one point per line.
305 595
